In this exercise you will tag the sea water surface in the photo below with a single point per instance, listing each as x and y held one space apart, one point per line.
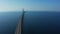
38 22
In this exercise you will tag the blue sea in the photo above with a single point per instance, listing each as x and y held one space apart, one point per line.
35 22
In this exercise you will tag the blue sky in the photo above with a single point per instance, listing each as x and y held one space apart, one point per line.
13 5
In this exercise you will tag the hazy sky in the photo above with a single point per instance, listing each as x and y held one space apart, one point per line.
12 5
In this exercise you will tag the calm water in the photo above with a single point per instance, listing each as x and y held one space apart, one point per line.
34 22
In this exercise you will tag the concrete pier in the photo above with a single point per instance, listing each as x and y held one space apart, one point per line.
19 28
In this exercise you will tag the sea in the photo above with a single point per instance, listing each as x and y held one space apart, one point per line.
34 22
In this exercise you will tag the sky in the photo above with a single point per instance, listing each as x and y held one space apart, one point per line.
17 5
